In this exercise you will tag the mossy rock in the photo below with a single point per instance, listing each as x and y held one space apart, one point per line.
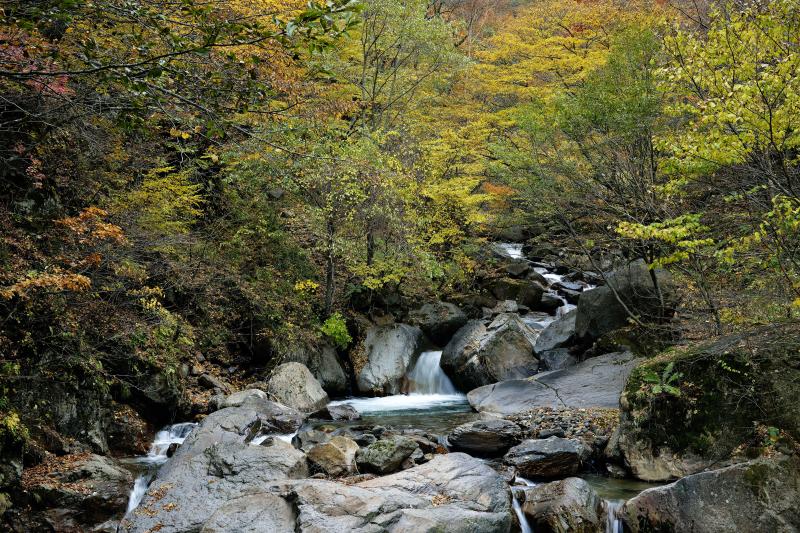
727 388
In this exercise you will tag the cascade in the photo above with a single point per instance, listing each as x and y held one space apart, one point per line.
524 525
427 377
613 523
157 456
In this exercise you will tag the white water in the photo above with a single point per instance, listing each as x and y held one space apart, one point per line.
510 249
430 387
157 456
427 377
613 523
524 525
261 438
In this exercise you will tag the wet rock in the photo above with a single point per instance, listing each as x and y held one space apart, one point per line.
343 412
550 303
600 310
293 384
556 359
485 437
253 513
557 334
77 492
596 382
525 292
481 353
439 320
386 455
336 457
759 495
553 457
240 424
390 352
566 506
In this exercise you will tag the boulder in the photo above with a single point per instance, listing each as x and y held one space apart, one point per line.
343 411
337 457
600 310
596 382
556 359
241 424
523 291
550 303
386 455
237 399
390 352
450 494
294 385
557 334
485 437
309 438
566 506
253 513
76 492
517 268
439 320
200 479
759 495
553 457
324 364
480 354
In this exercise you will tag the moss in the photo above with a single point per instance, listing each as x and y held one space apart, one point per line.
727 387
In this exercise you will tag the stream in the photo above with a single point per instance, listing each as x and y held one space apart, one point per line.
433 405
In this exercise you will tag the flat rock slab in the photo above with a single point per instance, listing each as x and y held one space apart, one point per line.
597 382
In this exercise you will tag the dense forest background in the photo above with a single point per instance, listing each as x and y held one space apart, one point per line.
215 183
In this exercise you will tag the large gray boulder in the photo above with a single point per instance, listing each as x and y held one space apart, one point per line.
294 385
566 506
390 352
386 455
548 458
324 364
203 477
255 513
603 309
482 353
557 334
760 495
439 320
448 494
485 437
596 382
451 493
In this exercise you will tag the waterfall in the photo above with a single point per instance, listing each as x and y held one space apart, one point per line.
524 525
613 523
427 377
157 456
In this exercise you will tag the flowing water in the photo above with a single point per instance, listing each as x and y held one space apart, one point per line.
519 484
156 456
433 403
509 249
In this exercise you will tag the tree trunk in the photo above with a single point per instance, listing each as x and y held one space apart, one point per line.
330 270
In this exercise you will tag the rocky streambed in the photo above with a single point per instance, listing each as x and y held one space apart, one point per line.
513 424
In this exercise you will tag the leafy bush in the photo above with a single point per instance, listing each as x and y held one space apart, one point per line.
335 328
